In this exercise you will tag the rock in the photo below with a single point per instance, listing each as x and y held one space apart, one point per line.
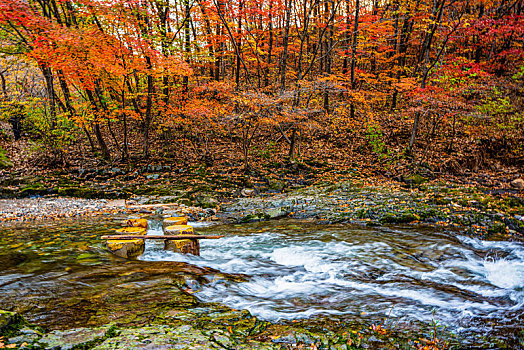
27 335
136 223
184 246
159 337
277 213
210 212
177 220
206 202
10 322
126 248
414 179
140 231
247 192
517 183
79 338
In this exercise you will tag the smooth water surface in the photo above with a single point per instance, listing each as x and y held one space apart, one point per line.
285 270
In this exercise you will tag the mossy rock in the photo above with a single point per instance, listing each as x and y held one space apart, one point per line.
402 218
253 218
126 248
176 220
78 192
34 189
415 179
497 228
79 338
10 323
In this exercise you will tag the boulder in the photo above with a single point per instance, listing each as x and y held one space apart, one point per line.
517 183
247 192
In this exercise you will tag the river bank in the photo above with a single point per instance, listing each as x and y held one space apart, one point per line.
353 198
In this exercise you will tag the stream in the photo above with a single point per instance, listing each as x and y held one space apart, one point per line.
401 277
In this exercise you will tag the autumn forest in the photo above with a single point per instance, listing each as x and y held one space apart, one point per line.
394 83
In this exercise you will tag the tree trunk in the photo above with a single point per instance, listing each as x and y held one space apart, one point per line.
283 66
270 44
148 115
96 127
353 56
239 44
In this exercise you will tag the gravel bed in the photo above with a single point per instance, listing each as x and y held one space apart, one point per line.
25 209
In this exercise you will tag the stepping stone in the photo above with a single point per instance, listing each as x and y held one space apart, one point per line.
135 223
185 246
128 248
177 220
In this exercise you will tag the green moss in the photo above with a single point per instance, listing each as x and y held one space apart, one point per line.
415 179
401 218
33 189
5 162
496 228
10 323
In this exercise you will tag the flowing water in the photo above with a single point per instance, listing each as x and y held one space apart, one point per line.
285 270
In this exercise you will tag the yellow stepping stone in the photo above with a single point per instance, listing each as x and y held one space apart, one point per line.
136 223
179 230
177 220
184 246
132 231
126 248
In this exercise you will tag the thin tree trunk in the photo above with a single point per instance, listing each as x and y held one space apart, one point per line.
96 127
270 44
149 103
239 44
283 66
187 40
353 56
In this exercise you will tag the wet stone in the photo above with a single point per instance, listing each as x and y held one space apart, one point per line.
158 337
73 338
